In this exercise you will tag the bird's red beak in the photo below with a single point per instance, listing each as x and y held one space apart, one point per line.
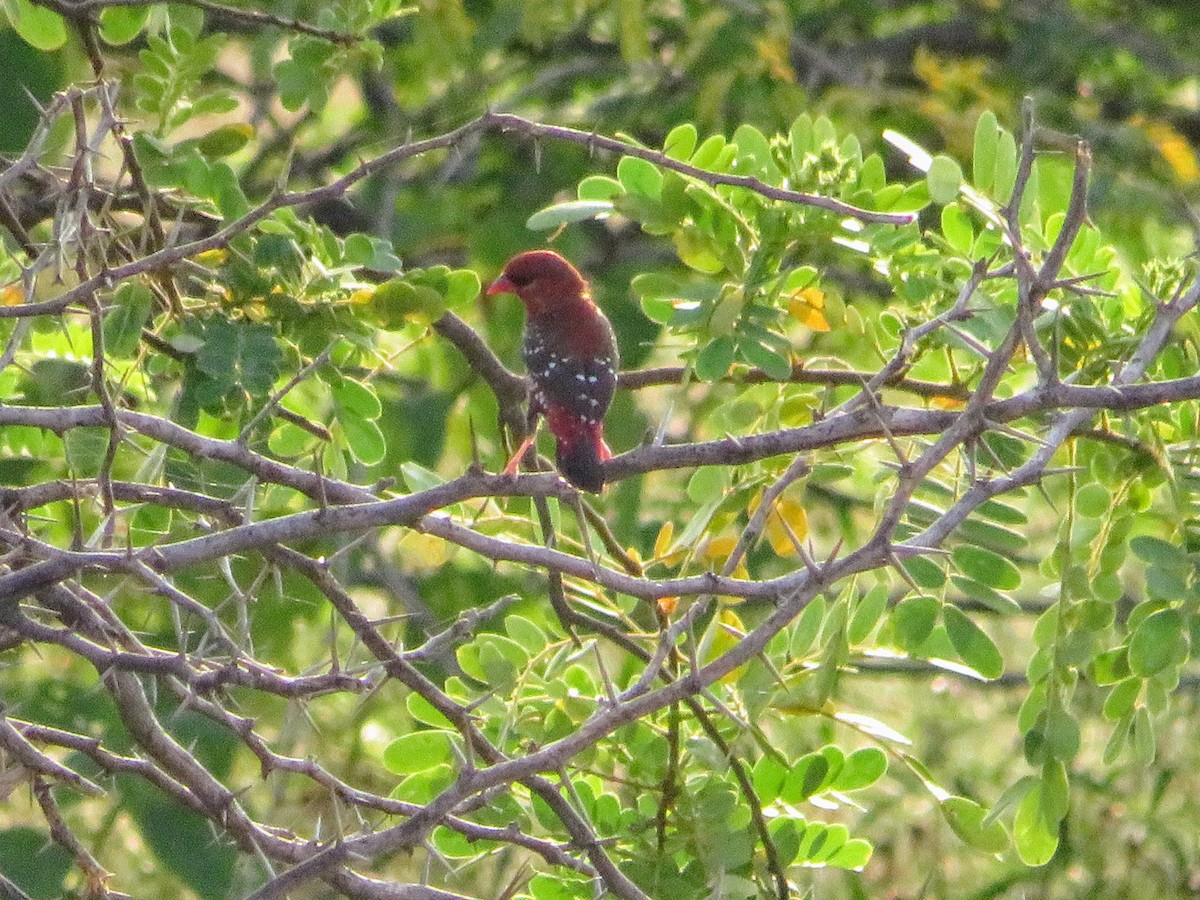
501 286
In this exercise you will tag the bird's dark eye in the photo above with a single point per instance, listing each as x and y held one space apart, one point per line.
521 279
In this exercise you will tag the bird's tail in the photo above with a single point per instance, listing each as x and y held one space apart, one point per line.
580 457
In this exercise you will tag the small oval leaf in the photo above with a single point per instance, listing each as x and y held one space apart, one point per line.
567 213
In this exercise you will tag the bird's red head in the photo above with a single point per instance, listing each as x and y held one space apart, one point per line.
542 279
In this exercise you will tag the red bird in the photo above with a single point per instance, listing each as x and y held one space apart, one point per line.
571 356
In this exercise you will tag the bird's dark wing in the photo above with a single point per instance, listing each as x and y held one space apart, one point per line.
580 386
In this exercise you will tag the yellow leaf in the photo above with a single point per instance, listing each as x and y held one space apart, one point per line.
754 501
807 307
948 403
1176 150
12 295
788 519
928 68
423 552
668 605
662 543
719 547
815 321
361 296
212 258
813 296
773 49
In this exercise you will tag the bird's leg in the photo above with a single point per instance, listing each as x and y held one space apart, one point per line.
510 468
532 418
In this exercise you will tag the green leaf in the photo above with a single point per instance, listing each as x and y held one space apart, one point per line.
39 27
123 324
1110 666
713 362
992 536
867 614
1056 791
1012 795
656 285
292 81
419 478
989 597
424 712
837 761
225 190
462 286
808 625
1141 735
658 309
1002 512
288 440
599 187
356 397
1061 735
501 654
785 834
86 449
1157 642
755 155
364 439
1160 552
913 620
226 140
421 787
854 855
526 633
812 841
805 778
1035 837
1093 501
924 572
568 213
966 819
862 768
971 643
708 484
240 354
987 567
640 177
697 252
983 160
956 228
774 364
768 777
419 751
1006 167
680 141
944 178
835 838
121 24
801 141
726 314
1120 700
